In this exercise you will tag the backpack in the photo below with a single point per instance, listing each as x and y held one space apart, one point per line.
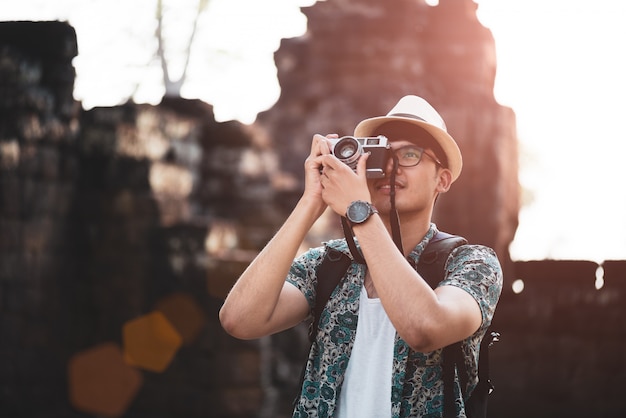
431 267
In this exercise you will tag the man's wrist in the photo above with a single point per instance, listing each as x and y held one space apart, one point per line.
360 211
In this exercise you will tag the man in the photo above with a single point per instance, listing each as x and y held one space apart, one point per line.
377 351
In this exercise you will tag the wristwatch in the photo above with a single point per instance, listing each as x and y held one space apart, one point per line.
359 211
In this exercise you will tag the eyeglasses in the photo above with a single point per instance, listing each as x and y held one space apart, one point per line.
411 155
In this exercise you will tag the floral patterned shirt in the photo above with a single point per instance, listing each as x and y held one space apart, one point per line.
417 385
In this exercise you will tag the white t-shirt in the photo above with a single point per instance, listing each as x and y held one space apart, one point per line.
366 390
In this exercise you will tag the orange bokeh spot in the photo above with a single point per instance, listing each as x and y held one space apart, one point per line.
150 342
184 314
100 382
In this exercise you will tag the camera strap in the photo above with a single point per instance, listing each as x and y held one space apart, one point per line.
347 231
394 218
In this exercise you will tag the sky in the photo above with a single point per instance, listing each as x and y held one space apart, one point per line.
560 68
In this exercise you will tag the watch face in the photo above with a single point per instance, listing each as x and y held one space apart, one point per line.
358 211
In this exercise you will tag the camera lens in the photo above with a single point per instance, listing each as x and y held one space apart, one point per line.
348 150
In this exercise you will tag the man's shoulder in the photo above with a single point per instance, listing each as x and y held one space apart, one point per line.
474 250
477 256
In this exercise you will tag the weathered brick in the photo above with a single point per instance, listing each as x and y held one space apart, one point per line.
10 235
10 195
11 266
242 401
9 155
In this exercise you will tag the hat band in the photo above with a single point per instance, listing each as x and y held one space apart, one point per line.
408 115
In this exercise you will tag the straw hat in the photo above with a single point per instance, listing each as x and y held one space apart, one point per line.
416 111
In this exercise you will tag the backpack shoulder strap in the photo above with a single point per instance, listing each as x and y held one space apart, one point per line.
333 267
431 266
329 273
432 261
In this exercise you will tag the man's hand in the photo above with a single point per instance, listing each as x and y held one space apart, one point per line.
341 185
312 169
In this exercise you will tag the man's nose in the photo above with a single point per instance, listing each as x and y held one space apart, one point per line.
390 163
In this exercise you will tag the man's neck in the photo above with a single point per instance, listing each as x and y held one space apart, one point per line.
413 229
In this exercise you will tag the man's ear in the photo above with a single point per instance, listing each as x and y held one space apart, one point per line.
445 180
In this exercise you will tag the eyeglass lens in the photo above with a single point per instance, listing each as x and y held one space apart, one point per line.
409 156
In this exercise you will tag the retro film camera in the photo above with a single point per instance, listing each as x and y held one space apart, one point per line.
348 149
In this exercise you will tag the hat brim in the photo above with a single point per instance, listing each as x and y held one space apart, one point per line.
368 127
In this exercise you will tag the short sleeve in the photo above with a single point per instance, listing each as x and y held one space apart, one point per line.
476 269
302 273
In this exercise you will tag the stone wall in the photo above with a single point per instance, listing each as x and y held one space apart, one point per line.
108 217
39 169
563 346
360 56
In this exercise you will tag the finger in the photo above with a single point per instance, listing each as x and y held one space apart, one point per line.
315 144
361 167
321 144
333 164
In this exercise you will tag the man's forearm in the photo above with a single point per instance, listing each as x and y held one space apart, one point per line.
257 305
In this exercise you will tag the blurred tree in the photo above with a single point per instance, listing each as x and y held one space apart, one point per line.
173 86
218 51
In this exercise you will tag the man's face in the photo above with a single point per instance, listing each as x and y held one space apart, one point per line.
417 179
